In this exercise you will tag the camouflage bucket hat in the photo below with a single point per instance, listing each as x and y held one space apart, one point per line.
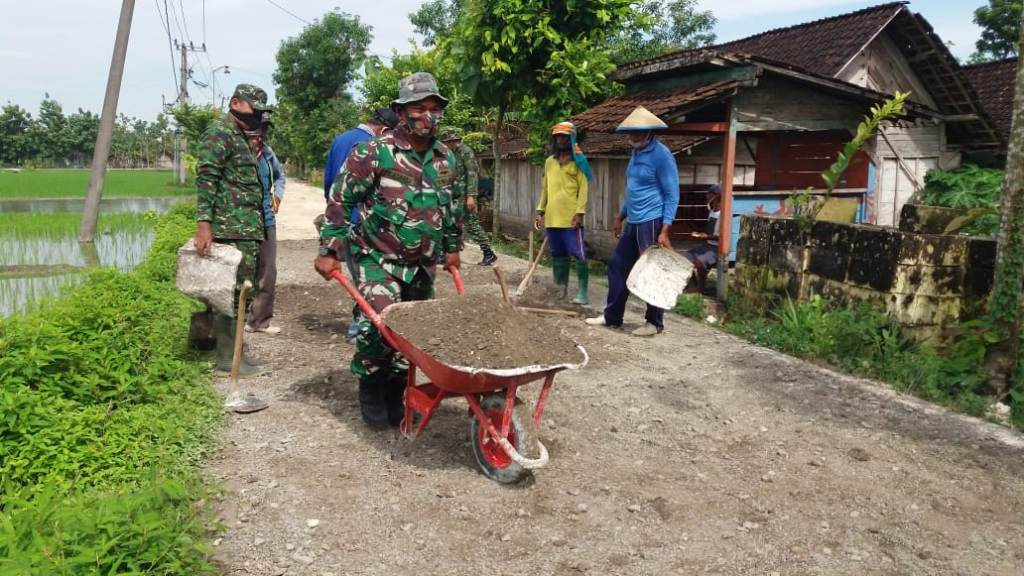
450 134
254 95
416 87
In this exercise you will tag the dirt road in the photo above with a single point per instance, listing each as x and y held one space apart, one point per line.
690 453
302 202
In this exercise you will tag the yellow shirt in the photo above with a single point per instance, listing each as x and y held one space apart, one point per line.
563 193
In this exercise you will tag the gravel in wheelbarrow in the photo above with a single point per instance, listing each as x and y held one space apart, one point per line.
482 331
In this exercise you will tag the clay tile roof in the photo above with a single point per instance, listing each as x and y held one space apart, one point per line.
821 47
994 83
603 144
606 116
596 144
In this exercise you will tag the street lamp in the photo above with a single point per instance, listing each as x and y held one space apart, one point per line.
213 81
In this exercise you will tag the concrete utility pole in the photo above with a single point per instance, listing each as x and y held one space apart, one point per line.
106 130
180 144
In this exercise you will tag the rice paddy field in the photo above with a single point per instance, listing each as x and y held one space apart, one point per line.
40 212
73 183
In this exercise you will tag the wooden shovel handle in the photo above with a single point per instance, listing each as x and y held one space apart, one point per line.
236 361
504 285
533 268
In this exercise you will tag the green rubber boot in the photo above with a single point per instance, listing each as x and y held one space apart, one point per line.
560 268
224 328
583 276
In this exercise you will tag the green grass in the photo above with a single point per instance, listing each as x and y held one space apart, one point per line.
862 340
690 306
73 183
105 416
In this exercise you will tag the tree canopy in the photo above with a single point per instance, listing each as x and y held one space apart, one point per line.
1000 30
56 139
314 73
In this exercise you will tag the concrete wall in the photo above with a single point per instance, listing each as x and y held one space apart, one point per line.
924 281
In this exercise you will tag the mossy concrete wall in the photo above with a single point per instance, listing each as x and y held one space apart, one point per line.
924 281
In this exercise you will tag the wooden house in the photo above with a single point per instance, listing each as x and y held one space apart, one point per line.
765 115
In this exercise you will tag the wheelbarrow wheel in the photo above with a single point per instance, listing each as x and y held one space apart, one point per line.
492 459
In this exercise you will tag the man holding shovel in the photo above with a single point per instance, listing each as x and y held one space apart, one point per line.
403 184
229 202
652 197
562 206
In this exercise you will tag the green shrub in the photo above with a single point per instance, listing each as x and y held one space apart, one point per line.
861 339
690 306
968 187
104 417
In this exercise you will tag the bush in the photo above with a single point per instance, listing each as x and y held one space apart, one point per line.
861 339
104 416
969 187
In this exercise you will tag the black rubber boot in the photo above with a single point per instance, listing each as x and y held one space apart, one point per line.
224 328
372 404
489 257
396 399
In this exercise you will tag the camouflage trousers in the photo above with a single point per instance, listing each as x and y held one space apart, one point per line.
247 269
374 358
476 231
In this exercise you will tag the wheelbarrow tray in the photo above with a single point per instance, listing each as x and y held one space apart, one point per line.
490 394
459 380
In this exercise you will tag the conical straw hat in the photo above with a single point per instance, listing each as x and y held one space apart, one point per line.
641 119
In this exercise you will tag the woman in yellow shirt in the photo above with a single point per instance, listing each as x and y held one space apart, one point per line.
563 203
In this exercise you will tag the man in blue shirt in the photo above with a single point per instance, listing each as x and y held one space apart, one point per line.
652 197
272 177
383 119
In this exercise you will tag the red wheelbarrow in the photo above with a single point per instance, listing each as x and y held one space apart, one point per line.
502 432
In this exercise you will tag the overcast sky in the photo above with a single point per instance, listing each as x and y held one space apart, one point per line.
63 47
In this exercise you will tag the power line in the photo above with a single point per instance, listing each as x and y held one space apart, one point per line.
170 48
177 24
287 11
184 21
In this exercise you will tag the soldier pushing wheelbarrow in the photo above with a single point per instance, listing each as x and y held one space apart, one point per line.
403 185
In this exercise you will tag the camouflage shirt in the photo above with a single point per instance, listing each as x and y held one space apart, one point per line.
468 169
405 202
230 194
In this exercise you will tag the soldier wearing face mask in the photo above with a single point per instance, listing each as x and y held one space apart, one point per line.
403 184
231 183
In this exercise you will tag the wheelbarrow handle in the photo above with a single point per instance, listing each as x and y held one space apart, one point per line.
360 301
369 311
457 277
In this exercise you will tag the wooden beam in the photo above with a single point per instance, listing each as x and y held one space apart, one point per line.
725 220
699 127
961 118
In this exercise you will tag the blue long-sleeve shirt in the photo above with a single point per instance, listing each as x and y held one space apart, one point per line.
340 149
271 170
652 185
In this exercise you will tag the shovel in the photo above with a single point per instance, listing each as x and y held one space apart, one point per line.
236 402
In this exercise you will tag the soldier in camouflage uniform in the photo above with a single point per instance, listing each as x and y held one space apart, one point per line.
229 200
403 184
469 178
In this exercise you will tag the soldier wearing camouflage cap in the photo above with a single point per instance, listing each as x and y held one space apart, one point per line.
469 177
403 184
233 176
